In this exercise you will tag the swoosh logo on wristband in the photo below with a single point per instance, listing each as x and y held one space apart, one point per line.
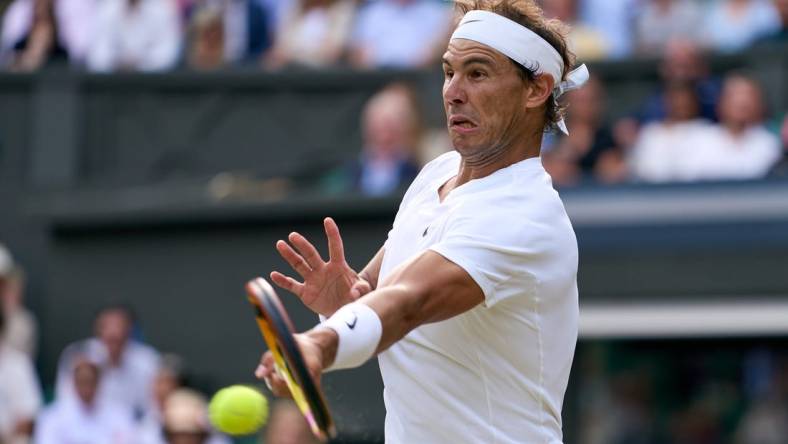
352 325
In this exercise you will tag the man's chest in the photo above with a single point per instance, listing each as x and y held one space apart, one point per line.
418 226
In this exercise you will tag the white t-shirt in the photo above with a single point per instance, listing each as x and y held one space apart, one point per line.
721 155
496 373
129 385
666 152
20 394
67 421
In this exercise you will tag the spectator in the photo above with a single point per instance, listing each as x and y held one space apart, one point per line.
76 27
682 62
765 421
29 36
276 11
85 418
663 150
128 366
733 25
21 329
168 379
186 420
227 32
287 425
585 42
314 34
20 394
614 19
391 130
206 40
247 30
665 20
135 35
740 147
400 34
781 34
588 141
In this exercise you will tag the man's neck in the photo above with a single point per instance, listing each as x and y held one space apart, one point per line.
485 163
477 167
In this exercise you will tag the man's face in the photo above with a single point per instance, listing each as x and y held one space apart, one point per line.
86 380
483 95
740 103
114 328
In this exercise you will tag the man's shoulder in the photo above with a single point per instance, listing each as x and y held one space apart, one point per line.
143 351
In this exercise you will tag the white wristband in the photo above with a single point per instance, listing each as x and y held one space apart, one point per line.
359 330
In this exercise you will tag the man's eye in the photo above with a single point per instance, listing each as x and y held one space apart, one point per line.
448 74
478 74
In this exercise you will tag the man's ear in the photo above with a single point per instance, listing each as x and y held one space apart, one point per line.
539 91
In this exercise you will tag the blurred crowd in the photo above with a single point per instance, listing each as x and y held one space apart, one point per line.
653 392
696 125
110 388
157 35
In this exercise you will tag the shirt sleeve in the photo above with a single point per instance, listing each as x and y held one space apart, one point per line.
502 258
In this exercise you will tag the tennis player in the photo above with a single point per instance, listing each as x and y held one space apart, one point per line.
471 305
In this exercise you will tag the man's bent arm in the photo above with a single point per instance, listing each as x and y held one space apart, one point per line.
429 288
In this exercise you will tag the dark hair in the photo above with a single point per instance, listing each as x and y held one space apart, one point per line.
529 14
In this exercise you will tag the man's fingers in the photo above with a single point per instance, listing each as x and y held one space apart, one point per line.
336 250
294 259
307 250
278 386
360 288
288 283
267 372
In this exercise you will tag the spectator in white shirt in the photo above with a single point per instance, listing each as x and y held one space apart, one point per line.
313 34
662 21
20 394
740 147
128 367
135 35
663 151
732 25
22 329
400 34
84 418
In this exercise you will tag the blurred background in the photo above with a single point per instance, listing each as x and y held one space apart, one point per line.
152 152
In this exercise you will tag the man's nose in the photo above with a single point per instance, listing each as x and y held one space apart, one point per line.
454 91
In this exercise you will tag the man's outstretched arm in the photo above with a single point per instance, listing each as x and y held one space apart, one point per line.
429 288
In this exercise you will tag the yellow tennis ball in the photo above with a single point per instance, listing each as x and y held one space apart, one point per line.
238 410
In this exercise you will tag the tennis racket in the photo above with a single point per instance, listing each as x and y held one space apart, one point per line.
277 330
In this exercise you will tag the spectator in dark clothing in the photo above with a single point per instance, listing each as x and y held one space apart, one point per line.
682 62
589 140
392 132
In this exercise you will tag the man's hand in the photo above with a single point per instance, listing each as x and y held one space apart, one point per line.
318 347
328 285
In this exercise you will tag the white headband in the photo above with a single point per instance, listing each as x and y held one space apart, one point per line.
521 45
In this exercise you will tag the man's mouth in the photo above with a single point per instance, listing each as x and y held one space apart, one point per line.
461 122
